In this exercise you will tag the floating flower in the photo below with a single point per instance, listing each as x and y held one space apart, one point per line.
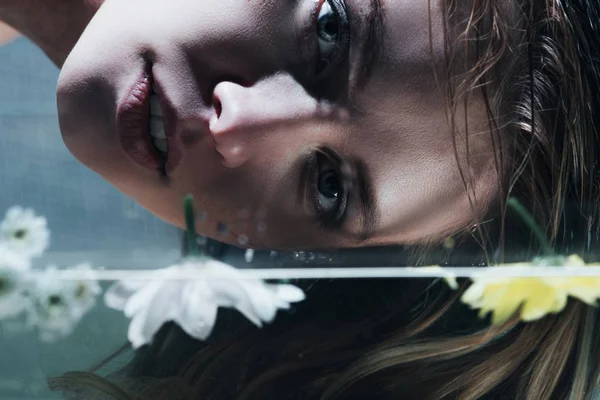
58 305
193 303
85 291
536 296
24 233
14 271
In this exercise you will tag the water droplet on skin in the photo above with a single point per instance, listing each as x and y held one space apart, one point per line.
249 256
243 239
236 150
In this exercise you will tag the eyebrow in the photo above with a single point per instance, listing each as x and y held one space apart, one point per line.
373 42
369 211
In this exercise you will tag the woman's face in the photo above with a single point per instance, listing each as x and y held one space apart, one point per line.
294 123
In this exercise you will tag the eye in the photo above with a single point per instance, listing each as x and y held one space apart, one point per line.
329 189
332 32
328 28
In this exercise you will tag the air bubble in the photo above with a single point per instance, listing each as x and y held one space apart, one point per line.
304 256
449 243
243 239
249 255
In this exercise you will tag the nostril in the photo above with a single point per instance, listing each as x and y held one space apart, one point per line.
217 106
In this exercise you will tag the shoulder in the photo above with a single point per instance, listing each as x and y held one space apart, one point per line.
7 33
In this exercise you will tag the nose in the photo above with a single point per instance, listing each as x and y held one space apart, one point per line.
245 113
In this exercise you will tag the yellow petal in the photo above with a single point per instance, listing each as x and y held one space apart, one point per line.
537 297
472 296
506 304
493 295
451 281
545 300
586 289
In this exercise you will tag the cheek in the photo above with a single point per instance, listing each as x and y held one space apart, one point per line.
420 200
416 172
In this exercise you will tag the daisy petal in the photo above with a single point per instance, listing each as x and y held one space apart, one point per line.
119 293
288 293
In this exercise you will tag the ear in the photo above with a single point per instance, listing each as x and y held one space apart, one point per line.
7 33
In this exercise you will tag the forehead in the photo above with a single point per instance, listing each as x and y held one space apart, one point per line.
401 130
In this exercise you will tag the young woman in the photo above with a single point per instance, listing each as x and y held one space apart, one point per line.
333 123
328 116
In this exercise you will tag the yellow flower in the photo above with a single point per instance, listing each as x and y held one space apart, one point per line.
538 296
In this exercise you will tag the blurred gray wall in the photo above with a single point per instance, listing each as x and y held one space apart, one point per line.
89 220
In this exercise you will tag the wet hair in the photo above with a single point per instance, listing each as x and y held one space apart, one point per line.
538 70
539 74
369 339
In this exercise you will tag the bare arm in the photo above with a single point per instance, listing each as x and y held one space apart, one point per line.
54 25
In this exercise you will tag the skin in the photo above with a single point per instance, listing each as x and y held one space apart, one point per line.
7 33
249 108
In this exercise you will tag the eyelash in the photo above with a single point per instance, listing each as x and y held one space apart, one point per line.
334 219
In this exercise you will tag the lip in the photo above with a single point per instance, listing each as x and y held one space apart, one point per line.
132 120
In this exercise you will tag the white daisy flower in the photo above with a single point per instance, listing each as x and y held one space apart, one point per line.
24 233
14 274
193 304
53 310
85 291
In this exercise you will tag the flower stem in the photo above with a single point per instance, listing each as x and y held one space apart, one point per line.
190 223
535 228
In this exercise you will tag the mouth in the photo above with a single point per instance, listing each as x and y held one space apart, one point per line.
141 127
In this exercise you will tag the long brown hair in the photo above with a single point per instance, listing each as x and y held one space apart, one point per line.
538 70
362 340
